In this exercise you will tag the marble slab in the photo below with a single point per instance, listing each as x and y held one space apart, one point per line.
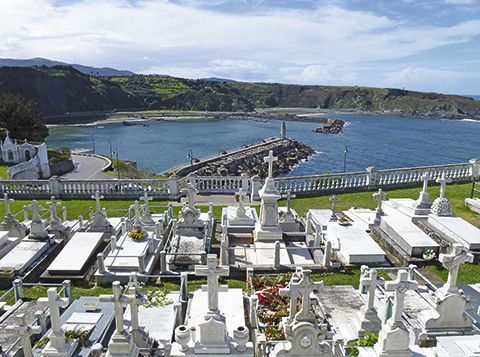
126 253
263 254
77 252
406 234
23 255
456 230
232 220
473 204
406 207
458 346
3 238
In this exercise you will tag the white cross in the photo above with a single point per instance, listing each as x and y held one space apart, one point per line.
241 196
270 159
97 197
334 199
379 196
368 282
426 179
117 299
303 286
212 272
134 299
145 200
24 331
191 192
136 208
452 262
55 302
35 208
289 196
443 183
400 286
53 208
7 201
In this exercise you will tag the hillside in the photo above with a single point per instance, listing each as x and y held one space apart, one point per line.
38 61
59 90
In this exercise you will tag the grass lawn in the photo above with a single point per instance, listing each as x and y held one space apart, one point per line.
4 171
468 274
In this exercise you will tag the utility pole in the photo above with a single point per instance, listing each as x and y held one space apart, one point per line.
93 143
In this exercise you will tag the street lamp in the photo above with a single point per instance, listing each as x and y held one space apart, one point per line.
110 144
345 152
93 143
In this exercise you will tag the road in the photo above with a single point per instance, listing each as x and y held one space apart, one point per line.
87 167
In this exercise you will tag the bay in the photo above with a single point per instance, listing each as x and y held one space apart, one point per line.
372 140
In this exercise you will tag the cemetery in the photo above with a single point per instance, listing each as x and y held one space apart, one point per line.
271 275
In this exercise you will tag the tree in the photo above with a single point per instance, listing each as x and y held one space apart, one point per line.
22 119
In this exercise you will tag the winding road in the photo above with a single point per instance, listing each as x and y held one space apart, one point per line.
87 167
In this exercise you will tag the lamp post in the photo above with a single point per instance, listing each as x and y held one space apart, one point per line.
93 143
345 152
110 145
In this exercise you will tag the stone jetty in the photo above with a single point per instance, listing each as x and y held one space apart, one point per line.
249 160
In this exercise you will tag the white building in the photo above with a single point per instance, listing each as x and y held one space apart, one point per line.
31 159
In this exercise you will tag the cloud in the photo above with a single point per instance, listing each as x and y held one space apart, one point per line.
461 2
328 44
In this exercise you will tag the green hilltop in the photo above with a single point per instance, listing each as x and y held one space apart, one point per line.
61 89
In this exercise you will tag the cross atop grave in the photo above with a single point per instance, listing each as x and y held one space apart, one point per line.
6 202
400 286
452 262
443 183
270 159
334 199
145 199
241 196
53 208
136 208
24 331
289 196
117 299
97 197
303 286
55 302
35 208
212 272
379 196
368 284
191 191
426 178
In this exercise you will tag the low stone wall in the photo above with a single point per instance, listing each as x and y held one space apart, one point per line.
29 170
61 167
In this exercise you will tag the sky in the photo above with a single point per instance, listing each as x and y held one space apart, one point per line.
426 45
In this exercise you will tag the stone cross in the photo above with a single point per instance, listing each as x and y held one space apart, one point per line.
426 179
55 302
35 208
134 299
380 196
97 197
118 300
145 200
270 159
191 192
303 286
24 331
452 262
289 196
368 284
136 208
241 196
443 183
334 199
212 272
53 208
7 201
400 286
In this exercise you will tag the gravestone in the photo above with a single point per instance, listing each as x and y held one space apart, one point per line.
268 227
37 229
121 344
422 204
334 199
305 336
289 219
450 303
379 196
55 224
147 215
368 316
189 222
57 345
24 332
10 223
441 206
99 221
394 338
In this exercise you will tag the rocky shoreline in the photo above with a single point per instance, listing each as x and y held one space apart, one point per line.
333 126
289 152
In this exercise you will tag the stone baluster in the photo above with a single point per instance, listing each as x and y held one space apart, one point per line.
101 263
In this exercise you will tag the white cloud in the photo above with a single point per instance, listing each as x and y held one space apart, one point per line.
461 2
330 44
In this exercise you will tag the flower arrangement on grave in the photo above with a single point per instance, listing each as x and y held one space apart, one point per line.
343 221
70 335
136 233
272 307
237 198
157 299
429 254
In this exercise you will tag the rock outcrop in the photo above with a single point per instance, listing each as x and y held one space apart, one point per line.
333 126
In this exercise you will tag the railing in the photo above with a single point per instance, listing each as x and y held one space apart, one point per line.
171 188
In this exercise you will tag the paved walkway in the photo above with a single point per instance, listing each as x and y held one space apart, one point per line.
87 167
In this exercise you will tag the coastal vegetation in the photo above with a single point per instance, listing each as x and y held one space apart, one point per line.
62 90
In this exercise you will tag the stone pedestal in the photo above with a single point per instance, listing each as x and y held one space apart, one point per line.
393 341
57 347
268 227
121 345
368 320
